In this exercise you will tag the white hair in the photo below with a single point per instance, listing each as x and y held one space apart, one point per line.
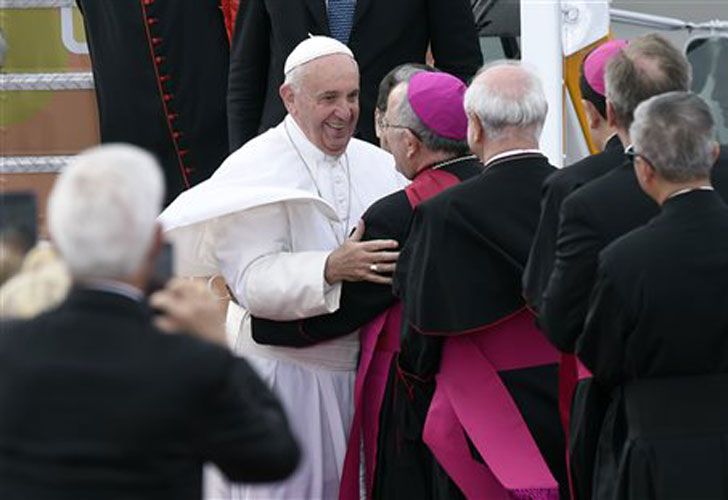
503 105
294 78
103 208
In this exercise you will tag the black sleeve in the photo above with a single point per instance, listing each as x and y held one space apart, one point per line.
543 250
246 433
602 345
565 300
454 38
360 301
248 74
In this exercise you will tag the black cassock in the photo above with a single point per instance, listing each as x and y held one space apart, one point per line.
160 70
591 218
655 337
557 187
461 269
540 264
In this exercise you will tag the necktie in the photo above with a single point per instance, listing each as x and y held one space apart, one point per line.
341 19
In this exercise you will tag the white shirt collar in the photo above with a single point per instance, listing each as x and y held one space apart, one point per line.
512 152
688 190
308 150
113 286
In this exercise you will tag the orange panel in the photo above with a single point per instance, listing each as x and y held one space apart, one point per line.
572 70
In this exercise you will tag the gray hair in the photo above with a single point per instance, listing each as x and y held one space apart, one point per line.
675 134
402 73
294 78
407 118
650 65
103 208
500 107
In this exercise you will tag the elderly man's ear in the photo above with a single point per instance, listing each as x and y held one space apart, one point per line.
412 144
286 92
475 132
593 117
716 151
646 175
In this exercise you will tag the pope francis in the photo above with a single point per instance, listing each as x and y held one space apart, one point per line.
274 221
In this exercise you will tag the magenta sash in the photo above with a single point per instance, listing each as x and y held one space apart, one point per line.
470 398
379 343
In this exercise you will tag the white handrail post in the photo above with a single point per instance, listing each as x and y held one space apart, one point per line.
541 49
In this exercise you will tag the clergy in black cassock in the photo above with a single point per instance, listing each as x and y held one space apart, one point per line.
597 214
459 277
556 188
425 127
567 180
655 335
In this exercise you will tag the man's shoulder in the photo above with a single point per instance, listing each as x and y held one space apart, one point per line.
602 190
267 142
391 205
584 171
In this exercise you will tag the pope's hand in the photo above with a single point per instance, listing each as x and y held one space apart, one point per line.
358 260
188 306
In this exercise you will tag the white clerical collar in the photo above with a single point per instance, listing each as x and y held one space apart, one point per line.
689 190
113 286
512 152
308 150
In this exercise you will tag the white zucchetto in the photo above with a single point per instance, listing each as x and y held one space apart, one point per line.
313 48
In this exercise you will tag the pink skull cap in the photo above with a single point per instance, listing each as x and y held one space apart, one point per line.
595 63
437 100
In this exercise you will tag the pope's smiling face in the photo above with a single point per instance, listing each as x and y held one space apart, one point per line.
324 101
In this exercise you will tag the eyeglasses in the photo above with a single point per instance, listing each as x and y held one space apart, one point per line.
632 154
383 123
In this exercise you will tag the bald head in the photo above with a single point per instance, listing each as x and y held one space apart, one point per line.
649 66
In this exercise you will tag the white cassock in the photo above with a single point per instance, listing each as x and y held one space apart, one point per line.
267 220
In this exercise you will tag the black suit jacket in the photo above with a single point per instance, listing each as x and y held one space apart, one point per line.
386 33
97 403
591 218
557 187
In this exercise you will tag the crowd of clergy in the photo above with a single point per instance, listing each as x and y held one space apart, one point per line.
444 315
